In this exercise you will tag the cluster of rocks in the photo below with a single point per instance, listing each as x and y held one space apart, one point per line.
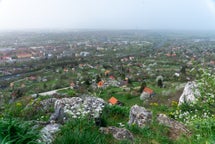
141 117
77 107
65 108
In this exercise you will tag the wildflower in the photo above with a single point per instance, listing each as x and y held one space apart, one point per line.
174 103
154 104
18 104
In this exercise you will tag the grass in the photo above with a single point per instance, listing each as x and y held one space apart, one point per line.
69 92
15 131
85 130
113 115
80 131
125 97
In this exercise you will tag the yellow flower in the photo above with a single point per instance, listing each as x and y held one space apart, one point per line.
154 104
174 103
18 104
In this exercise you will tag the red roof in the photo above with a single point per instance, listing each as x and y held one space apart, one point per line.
113 100
148 90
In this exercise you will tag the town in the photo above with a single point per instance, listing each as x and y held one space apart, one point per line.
49 78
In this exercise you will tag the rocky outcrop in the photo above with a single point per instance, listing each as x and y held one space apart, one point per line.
189 94
176 128
77 107
118 133
139 116
48 132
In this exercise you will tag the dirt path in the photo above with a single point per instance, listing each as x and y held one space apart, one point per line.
51 92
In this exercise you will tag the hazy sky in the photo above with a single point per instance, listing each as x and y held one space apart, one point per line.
107 14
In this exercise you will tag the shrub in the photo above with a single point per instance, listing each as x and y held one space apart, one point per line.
203 107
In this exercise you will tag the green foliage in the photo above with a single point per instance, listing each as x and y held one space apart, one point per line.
203 131
153 133
34 111
15 108
17 131
115 114
69 92
80 131
203 107
199 115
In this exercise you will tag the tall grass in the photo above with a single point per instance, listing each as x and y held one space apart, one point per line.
80 131
14 131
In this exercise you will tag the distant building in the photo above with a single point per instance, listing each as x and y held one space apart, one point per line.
84 54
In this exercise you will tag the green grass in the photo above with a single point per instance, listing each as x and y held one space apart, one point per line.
80 131
15 131
125 97
113 115
69 92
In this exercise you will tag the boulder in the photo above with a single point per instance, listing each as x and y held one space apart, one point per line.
77 107
47 133
189 94
139 116
176 128
118 133
58 115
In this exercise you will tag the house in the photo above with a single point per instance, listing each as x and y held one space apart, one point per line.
114 101
146 94
148 91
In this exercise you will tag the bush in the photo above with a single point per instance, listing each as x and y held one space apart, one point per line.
203 107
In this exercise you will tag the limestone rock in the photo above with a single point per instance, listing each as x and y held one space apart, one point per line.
176 128
77 107
118 133
190 93
139 116
47 133
58 115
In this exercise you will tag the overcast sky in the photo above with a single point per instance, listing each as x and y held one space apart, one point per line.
107 14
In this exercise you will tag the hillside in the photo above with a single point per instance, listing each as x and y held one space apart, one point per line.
118 91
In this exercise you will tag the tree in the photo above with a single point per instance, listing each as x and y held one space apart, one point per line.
143 85
159 81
